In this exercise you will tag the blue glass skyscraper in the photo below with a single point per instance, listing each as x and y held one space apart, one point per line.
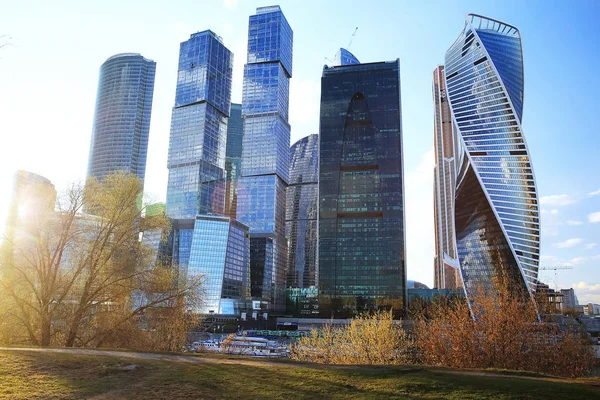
199 128
361 190
496 207
122 116
265 156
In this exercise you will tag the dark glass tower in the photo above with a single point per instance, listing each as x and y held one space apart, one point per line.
122 117
496 208
199 128
233 157
302 213
265 157
361 196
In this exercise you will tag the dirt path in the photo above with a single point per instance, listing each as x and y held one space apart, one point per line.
153 356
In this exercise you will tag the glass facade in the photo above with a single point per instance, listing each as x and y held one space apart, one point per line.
122 116
446 271
302 213
361 196
496 207
197 143
219 254
233 158
344 57
265 157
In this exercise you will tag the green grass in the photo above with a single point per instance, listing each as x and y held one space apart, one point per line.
28 375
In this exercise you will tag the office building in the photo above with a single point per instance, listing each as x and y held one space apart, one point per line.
198 137
302 213
361 249
219 255
265 157
122 116
233 157
569 299
446 271
591 309
497 224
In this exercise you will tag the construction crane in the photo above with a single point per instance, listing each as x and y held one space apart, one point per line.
555 268
352 38
347 48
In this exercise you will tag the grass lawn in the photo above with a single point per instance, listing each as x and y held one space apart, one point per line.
28 375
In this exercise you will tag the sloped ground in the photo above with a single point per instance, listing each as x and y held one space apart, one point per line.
99 374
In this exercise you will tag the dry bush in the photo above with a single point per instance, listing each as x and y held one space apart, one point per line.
500 331
373 339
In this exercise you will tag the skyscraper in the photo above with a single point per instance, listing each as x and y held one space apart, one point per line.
203 242
446 272
265 156
122 117
361 196
199 128
302 213
496 204
233 157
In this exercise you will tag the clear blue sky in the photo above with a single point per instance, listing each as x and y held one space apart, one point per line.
49 73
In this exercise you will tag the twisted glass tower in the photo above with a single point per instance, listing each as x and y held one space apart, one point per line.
496 203
265 151
302 212
122 116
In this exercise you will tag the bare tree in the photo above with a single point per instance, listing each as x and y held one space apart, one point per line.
72 277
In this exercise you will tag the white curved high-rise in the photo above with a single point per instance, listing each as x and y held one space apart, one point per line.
496 212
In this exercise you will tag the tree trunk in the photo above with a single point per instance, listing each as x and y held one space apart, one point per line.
74 329
45 327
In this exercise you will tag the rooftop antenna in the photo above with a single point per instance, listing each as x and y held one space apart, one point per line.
352 38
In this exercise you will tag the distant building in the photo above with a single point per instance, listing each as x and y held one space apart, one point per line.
122 117
418 290
361 190
233 157
302 212
553 298
344 57
446 271
591 309
33 198
569 298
